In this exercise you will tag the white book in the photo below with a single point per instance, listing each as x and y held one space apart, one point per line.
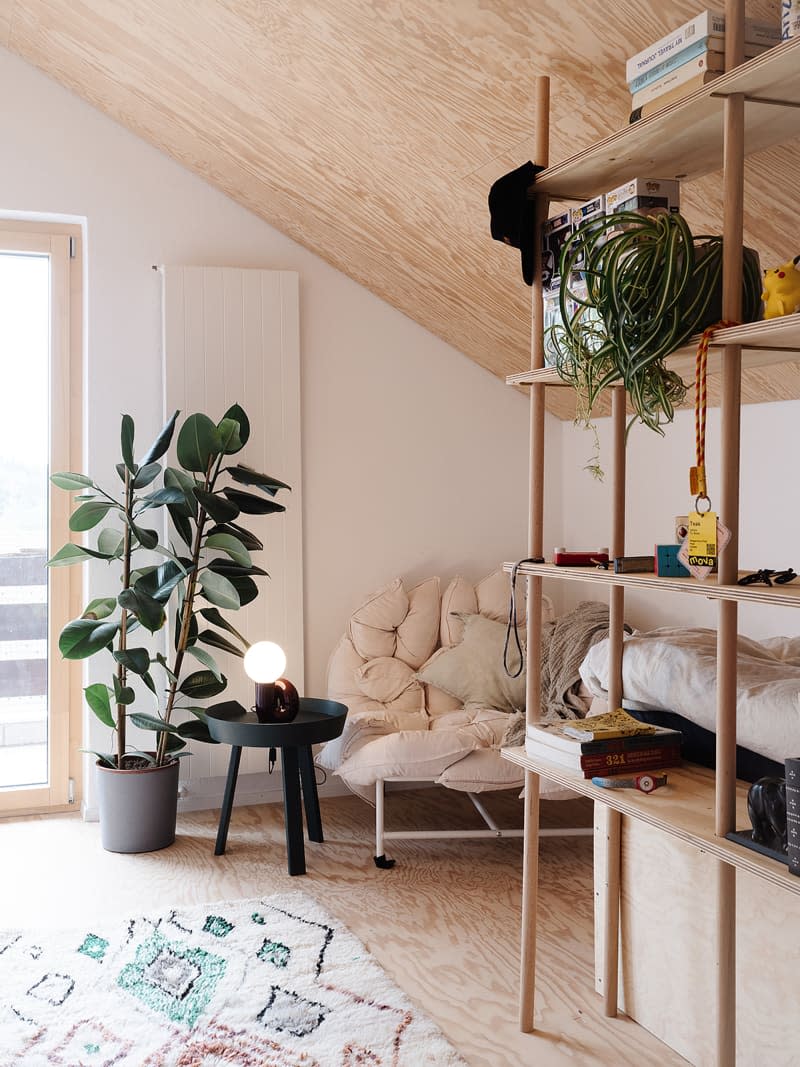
706 24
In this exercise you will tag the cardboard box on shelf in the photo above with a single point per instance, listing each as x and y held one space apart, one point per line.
644 196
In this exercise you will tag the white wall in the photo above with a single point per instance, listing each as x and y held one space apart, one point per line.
658 490
414 458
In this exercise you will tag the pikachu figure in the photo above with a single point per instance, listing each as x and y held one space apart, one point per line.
781 294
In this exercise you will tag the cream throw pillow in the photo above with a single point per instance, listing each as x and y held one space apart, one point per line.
473 670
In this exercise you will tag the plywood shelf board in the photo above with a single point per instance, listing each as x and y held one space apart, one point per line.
683 808
764 343
685 140
787 596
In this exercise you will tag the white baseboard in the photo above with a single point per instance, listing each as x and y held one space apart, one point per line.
205 794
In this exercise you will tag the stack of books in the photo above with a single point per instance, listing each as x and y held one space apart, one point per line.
687 59
614 743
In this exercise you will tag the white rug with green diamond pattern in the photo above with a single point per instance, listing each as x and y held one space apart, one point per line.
274 982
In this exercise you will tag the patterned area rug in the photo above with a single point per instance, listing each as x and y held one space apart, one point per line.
257 983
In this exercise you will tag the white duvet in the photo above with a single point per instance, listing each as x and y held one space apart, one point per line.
675 670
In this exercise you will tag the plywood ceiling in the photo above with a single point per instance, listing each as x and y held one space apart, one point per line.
370 131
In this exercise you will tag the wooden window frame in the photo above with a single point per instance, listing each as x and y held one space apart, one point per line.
63 243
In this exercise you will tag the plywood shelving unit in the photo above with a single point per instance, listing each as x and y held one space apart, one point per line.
752 107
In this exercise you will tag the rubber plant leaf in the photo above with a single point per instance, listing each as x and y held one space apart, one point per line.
67 480
126 442
146 474
70 554
217 619
206 659
219 590
251 504
110 542
233 570
134 659
229 437
220 509
231 546
195 730
202 684
237 413
150 722
161 443
83 637
100 608
168 495
99 700
89 515
249 540
148 611
247 476
211 637
198 443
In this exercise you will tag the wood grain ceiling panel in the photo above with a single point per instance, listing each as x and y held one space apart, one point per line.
370 132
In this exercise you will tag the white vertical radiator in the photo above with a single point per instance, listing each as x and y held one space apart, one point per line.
232 336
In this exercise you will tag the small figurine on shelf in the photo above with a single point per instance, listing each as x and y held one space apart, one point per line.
766 806
781 294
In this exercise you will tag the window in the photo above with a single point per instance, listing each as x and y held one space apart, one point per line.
39 715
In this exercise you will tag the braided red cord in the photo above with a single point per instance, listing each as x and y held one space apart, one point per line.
701 390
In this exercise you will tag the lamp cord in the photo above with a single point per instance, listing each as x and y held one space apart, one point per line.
512 620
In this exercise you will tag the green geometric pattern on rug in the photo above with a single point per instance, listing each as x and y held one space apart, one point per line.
172 978
94 947
274 952
217 926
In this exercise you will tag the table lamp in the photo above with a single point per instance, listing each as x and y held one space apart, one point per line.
276 697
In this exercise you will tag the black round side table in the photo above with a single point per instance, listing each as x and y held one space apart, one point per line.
317 721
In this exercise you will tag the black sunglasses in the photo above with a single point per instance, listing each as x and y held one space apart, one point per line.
768 577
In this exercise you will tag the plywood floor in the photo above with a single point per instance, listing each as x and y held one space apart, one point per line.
444 923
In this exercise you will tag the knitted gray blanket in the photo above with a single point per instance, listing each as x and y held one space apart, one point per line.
565 642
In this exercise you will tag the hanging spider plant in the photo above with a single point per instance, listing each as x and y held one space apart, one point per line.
649 285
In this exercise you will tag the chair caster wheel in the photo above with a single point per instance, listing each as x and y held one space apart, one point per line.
383 864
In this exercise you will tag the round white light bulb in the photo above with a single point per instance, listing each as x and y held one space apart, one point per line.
264 661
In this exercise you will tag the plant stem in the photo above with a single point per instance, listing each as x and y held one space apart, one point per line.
186 618
122 673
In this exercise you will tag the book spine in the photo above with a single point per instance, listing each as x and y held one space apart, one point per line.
695 71
706 24
792 768
675 59
622 762
700 26
629 744
679 92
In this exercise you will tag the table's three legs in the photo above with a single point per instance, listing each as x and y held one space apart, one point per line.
297 766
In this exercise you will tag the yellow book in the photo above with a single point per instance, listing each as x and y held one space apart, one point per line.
616 723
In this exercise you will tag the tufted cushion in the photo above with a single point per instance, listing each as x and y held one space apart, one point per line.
390 681
473 671
458 599
373 626
418 632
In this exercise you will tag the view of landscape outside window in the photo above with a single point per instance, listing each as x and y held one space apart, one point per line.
24 449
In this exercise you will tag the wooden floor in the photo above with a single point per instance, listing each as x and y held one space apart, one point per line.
444 922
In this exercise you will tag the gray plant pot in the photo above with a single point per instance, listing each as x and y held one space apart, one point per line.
138 808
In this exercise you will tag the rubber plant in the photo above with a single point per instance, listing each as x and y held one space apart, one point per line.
206 567
649 286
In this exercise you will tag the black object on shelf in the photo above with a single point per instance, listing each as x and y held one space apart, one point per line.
792 767
745 837
699 746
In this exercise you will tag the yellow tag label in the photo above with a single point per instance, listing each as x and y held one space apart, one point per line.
702 538
697 481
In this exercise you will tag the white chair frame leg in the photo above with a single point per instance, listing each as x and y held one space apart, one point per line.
492 829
